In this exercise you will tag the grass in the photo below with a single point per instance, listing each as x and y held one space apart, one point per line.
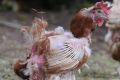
102 67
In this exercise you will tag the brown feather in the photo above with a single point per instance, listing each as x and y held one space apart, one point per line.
81 25
115 44
18 69
116 51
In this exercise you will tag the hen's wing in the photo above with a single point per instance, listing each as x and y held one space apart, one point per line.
68 56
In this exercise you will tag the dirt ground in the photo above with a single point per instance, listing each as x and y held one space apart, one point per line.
102 66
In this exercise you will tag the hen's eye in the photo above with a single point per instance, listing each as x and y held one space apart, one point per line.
92 29
99 11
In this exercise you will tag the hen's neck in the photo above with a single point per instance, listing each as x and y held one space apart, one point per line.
88 13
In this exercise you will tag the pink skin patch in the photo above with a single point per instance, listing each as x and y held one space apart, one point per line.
100 22
39 59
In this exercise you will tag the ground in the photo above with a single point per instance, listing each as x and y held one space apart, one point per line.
102 66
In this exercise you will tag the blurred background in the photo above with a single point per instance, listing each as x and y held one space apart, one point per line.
17 13
54 9
49 5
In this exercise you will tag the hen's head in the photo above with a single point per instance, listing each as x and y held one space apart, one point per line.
83 23
100 12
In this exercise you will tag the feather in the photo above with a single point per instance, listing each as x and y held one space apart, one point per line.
68 55
108 37
20 68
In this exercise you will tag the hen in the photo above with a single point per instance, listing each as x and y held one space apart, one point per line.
112 38
56 55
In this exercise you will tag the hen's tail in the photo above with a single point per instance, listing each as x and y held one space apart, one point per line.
19 69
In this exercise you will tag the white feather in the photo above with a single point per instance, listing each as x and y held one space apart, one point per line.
59 30
108 37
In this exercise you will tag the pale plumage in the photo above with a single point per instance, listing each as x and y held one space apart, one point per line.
114 20
113 24
68 53
112 38
108 37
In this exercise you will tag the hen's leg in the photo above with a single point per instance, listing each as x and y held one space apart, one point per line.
86 65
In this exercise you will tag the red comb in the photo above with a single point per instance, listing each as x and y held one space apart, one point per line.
104 6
